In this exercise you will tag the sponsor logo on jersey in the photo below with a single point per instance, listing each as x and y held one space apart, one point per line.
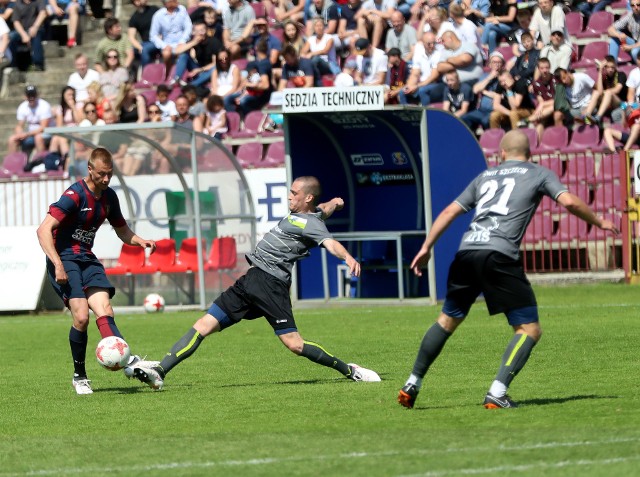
69 192
367 160
300 222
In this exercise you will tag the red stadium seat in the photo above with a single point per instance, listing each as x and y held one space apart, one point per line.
554 139
153 74
593 51
131 260
233 123
187 260
597 26
554 163
490 141
14 162
574 22
608 196
571 228
580 169
164 258
584 138
609 168
275 154
540 229
223 254
250 154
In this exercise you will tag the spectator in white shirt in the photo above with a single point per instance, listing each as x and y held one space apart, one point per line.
371 62
33 115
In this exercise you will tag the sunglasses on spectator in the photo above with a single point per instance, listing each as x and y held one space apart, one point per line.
111 57
154 111
89 111
635 4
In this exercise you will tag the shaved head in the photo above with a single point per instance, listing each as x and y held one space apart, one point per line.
311 186
514 145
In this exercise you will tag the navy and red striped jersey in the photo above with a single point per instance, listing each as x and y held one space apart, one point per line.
80 215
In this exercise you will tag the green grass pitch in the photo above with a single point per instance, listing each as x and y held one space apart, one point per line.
243 405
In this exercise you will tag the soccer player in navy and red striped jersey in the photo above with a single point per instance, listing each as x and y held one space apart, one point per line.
66 235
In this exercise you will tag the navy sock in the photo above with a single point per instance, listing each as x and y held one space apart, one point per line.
78 341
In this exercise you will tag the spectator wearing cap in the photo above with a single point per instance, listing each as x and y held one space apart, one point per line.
397 75
257 29
319 49
373 20
465 58
630 41
345 78
295 70
28 32
485 89
557 52
546 19
424 81
371 63
34 115
401 36
170 30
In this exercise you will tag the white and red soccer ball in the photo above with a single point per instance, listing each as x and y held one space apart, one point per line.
113 353
154 303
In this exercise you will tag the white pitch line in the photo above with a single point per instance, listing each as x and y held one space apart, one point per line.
525 467
351 455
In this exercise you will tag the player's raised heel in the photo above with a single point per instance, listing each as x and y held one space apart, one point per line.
493 402
407 395
363 374
149 375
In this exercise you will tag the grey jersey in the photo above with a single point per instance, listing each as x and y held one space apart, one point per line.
288 242
505 198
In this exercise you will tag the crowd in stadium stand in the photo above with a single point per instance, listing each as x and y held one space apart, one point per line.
500 64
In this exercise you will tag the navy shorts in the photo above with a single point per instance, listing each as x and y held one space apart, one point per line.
498 277
254 295
82 274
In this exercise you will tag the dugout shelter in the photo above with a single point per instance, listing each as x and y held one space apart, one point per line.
158 167
396 168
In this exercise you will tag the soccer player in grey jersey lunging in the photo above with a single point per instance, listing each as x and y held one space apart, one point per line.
264 289
505 198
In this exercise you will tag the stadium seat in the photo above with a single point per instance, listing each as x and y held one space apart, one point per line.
152 75
252 124
540 229
597 26
554 163
554 139
506 51
608 196
241 63
596 233
571 228
149 96
595 50
223 254
549 205
278 33
275 154
574 22
164 258
233 123
533 137
490 141
327 80
609 168
214 159
131 260
14 162
584 138
592 71
250 154
187 260
580 169
259 10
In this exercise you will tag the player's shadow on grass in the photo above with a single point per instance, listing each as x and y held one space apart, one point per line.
561 400
128 390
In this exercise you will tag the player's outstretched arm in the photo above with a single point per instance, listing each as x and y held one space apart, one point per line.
127 236
336 249
442 222
330 207
579 208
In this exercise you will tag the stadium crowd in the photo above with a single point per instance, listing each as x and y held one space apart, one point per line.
500 64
